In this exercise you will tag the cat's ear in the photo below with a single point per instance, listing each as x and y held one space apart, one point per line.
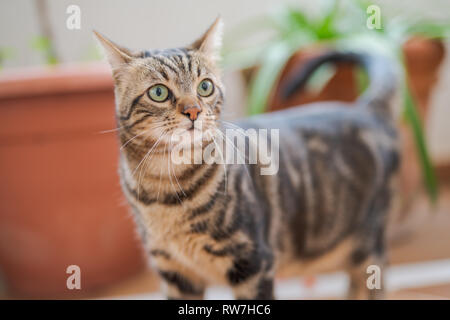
211 41
117 55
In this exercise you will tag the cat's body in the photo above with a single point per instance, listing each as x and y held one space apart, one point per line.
208 224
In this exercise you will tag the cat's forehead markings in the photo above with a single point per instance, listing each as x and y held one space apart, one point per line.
149 70
183 58
181 66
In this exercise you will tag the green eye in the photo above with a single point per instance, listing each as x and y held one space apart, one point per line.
205 88
158 93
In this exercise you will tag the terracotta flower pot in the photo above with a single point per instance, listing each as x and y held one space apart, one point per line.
341 86
423 59
60 200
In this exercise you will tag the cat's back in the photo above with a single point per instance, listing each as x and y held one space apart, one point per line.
322 117
328 129
331 158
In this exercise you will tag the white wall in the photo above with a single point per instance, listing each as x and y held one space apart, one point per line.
149 23
168 23
133 23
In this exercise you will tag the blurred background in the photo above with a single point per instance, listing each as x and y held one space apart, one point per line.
60 200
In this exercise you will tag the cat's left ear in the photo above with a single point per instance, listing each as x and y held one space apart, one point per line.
211 41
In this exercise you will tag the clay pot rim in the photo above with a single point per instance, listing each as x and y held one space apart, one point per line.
58 79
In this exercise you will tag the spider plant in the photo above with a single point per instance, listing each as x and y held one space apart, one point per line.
341 24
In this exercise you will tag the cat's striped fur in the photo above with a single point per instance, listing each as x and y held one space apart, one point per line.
205 224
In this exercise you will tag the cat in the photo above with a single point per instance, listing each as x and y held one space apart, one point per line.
204 224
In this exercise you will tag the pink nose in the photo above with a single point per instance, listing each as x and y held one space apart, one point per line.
192 112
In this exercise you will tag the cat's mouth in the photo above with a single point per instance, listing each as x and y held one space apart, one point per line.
192 136
198 130
197 134
192 127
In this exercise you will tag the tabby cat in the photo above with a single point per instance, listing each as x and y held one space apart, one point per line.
205 224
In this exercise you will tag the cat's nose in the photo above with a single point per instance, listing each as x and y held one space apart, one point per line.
191 112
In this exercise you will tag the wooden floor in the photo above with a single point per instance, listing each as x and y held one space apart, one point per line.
420 265
419 254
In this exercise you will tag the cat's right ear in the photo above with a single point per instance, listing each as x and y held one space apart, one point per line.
117 56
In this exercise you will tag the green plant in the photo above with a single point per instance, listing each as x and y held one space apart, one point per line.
43 45
5 53
93 53
341 24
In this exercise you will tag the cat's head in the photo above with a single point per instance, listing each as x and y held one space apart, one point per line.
161 92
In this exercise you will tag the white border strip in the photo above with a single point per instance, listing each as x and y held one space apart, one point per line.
398 277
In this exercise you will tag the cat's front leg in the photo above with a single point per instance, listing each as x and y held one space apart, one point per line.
358 287
251 275
178 286
178 282
365 261
259 287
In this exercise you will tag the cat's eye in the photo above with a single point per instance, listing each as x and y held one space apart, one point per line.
205 88
158 93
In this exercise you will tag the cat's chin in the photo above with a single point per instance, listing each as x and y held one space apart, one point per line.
192 138
196 135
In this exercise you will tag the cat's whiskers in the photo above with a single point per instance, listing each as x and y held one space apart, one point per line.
232 125
147 154
138 135
170 177
228 140
224 164
237 130
160 172
176 178
145 159
238 152
156 126
111 130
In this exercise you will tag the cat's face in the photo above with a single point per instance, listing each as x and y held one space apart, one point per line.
163 93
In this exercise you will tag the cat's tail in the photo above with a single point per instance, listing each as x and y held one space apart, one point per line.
380 70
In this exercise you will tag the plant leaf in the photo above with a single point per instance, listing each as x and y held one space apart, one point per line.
248 28
325 26
265 78
413 119
431 29
242 58
319 79
272 64
43 44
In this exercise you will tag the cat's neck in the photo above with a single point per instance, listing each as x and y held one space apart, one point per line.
162 171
